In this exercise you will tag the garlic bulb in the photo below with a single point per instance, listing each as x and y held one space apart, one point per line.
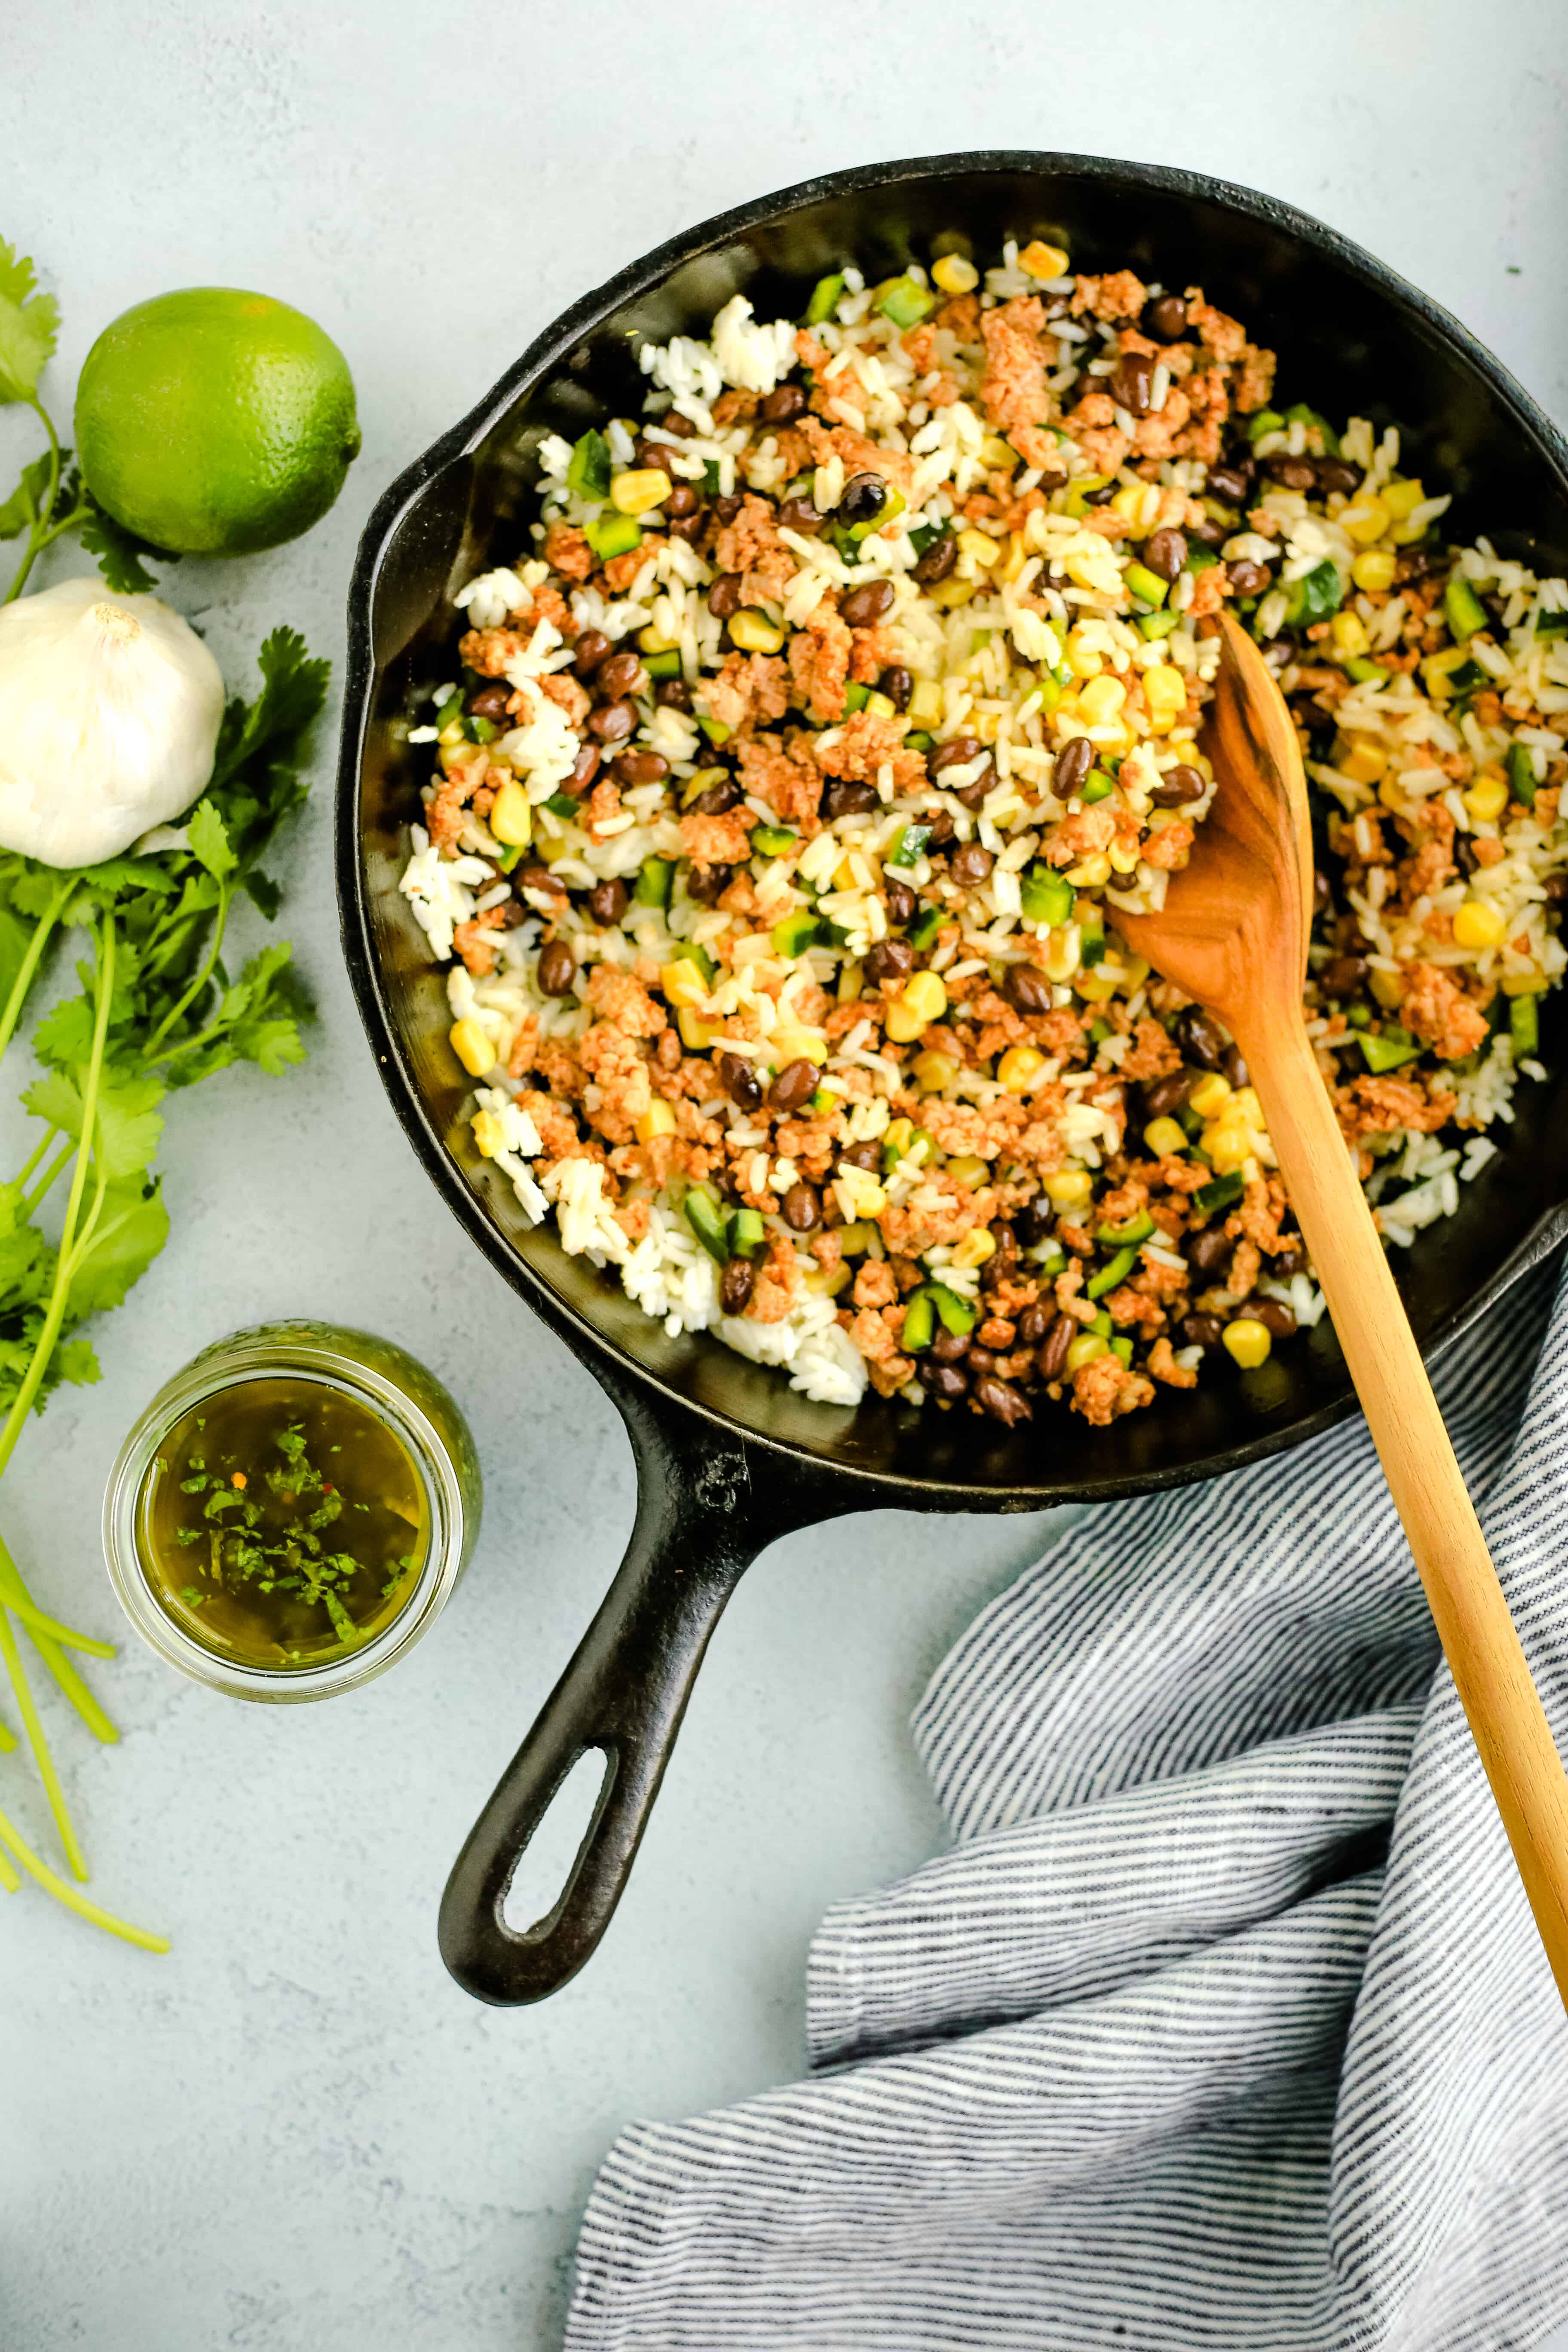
110 710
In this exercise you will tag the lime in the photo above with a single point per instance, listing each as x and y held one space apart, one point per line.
213 422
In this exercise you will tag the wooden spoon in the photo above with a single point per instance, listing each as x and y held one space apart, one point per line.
1232 934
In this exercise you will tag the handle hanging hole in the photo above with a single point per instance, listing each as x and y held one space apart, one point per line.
546 1864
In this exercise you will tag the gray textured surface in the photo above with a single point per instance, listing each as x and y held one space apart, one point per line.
294 2135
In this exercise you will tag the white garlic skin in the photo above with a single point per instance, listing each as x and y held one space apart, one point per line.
110 710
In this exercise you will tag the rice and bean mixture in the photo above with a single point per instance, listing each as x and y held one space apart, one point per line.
799 768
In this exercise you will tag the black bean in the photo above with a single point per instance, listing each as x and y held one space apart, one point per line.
513 913
613 722
949 1346
1344 976
801 1208
684 501
868 1156
1034 1222
490 702
1197 1039
1333 474
1465 856
1273 1314
938 561
1247 578
981 1360
796 1084
1322 892
864 607
900 899
1001 1400
898 685
1230 484
1074 762
593 648
1132 382
1165 319
850 796
1210 533
735 1285
1165 1096
1026 988
739 1080
585 768
1053 1356
557 969
942 829
724 596
1556 889
864 496
718 799
1007 1241
888 959
727 507
708 884
944 1381
640 768
972 865
1211 1249
780 406
1295 473
799 514
1234 1066
1202 1330
956 753
1177 786
687 526
622 674
608 901
1289 1258
540 878
673 694
1035 1322
1164 553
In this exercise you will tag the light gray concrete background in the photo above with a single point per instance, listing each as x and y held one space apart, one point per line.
294 2135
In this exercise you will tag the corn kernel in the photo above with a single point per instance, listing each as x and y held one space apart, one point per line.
966 1167
955 275
1165 1138
1211 1093
934 1071
1018 1068
696 1035
1347 631
1486 799
511 819
855 1239
1069 1188
640 491
1437 671
1246 1341
488 1133
851 983
1524 984
652 642
1063 948
1366 521
658 1119
789 1045
1096 987
1374 571
1102 698
976 1247
755 634
1081 658
1228 1142
897 1136
1123 856
1087 1349
875 706
1043 260
1139 503
1092 872
1244 1102
995 452
1166 692
1387 989
859 1194
1018 555
827 1281
977 544
682 982
926 703
922 1001
1364 761
949 594
1479 924
1184 747
1399 498
473 1047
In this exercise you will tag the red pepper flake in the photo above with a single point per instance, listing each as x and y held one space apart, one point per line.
237 1479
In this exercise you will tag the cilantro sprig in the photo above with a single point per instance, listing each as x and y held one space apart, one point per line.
157 1009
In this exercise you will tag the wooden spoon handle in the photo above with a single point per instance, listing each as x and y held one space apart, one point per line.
1471 1615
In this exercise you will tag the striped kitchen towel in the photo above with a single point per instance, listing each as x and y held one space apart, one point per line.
1223 2022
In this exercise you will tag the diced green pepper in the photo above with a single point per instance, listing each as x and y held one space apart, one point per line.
693 951
451 710
1299 414
509 857
664 665
1364 671
1153 626
957 1314
715 729
796 932
1389 1050
920 1323
1099 1031
892 504
1220 1193
713 477
1051 692
1310 600
1076 500
1550 625
655 882
773 840
589 472
1463 609
1047 897
610 534
1091 947
1267 420
907 849
747 1233
1358 1016
905 303
925 535
1103 1324
1521 775
1146 586
1523 1026
482 730
925 927
1096 786
1122 1348
1199 558
705 1215
563 804
1120 1268
824 296
918 739
1136 1229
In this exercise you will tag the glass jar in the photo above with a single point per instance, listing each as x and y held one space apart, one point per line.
379 1378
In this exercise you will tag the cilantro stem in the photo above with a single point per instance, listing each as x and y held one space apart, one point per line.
45 1181
30 965
193 992
40 1748
36 542
72 1687
37 1621
11 1836
8 1746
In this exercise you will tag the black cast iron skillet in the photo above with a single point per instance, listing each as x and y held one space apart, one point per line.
728 1456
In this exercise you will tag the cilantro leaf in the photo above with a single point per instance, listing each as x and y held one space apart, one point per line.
119 551
209 840
261 746
127 1122
29 322
21 509
76 1361
131 1228
264 892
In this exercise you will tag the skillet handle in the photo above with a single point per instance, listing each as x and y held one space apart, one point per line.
700 1524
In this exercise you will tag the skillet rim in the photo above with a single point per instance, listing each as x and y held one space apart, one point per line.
631 1385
